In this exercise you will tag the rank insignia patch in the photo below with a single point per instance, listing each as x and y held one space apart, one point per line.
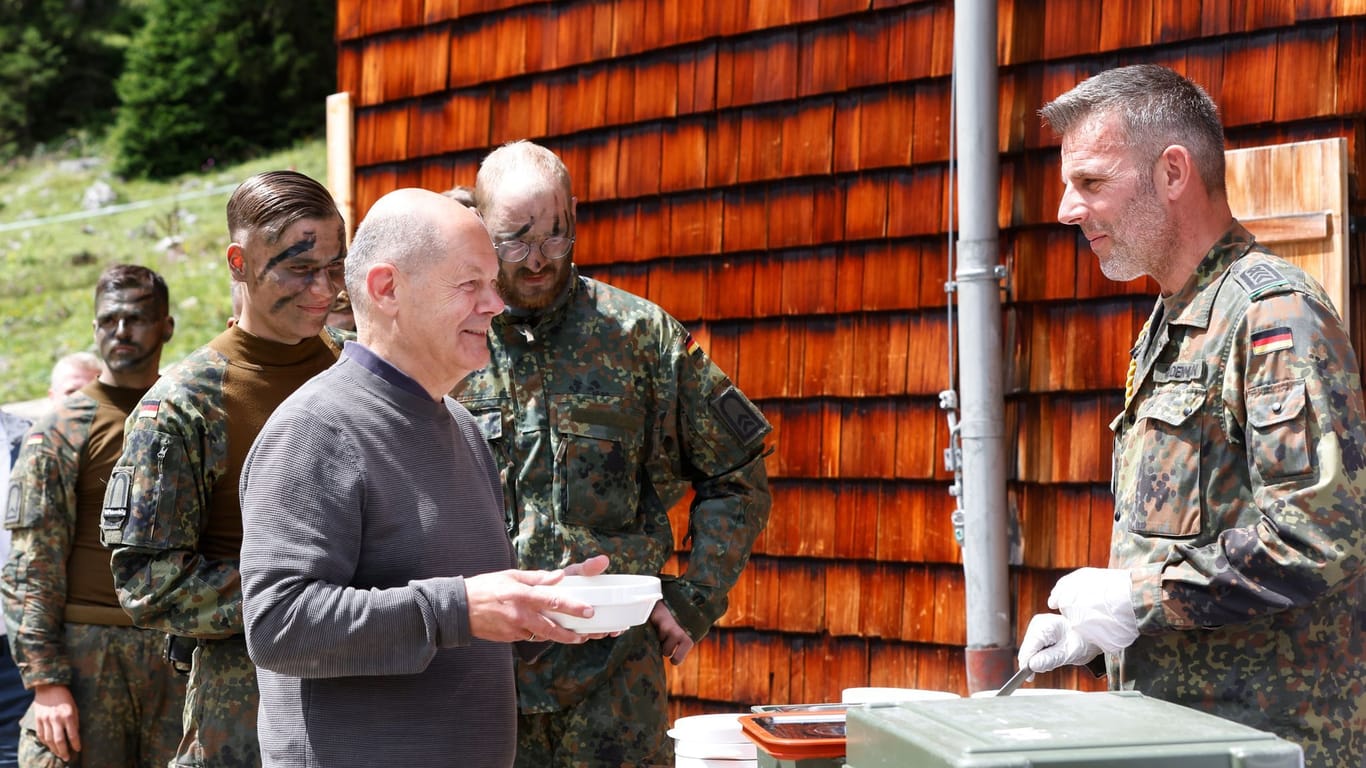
738 414
1260 278
14 504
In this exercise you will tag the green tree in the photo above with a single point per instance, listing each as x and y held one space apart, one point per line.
58 62
211 81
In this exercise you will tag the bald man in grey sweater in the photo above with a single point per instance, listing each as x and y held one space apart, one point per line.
377 575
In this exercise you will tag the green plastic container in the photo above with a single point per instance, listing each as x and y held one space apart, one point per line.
1096 730
769 761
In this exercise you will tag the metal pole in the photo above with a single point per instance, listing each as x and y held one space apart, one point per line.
978 279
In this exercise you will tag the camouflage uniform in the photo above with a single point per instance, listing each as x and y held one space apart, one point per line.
600 412
1239 494
14 697
177 457
128 700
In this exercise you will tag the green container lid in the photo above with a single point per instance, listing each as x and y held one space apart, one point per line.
769 761
1097 730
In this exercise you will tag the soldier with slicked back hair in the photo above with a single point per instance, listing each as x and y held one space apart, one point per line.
171 512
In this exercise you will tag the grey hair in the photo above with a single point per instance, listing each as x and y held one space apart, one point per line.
1157 108
410 241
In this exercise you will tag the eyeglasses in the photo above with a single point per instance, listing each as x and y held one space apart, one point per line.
514 251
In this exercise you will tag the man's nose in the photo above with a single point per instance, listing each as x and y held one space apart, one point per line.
1071 210
536 261
325 283
491 301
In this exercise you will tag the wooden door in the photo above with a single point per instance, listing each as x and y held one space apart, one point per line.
1293 197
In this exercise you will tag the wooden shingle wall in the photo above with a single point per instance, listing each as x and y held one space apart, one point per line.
775 174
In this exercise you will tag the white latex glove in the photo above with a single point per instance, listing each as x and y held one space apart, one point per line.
1050 642
1095 602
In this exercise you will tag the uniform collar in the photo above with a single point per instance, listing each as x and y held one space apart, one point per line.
536 323
1194 303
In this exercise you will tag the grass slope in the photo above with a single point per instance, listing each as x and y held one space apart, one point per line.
48 270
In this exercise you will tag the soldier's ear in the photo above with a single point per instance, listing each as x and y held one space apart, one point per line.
237 262
167 329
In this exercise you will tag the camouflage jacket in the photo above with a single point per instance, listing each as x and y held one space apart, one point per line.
42 512
12 429
1239 485
175 455
601 412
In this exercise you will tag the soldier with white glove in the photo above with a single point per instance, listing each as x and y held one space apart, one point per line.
1096 616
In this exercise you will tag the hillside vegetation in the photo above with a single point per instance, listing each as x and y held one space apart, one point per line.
52 248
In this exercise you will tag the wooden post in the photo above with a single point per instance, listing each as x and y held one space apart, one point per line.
341 157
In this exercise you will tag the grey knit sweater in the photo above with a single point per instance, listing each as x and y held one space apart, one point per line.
364 504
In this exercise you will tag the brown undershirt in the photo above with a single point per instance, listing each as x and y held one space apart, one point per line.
88 578
260 374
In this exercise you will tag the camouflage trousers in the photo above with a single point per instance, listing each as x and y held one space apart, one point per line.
621 723
128 701
220 708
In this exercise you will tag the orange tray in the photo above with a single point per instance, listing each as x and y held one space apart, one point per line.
798 734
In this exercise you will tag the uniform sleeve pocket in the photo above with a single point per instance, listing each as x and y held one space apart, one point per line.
142 503
1277 434
16 588
1167 498
488 416
37 476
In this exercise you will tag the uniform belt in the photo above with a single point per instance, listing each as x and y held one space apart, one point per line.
102 615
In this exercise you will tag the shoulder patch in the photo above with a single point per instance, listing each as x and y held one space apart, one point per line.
690 345
148 409
1271 340
117 498
1260 280
738 414
14 504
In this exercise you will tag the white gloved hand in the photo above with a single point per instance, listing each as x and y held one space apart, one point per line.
1095 602
1050 642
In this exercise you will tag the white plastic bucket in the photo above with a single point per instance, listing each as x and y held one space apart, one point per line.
712 741
887 695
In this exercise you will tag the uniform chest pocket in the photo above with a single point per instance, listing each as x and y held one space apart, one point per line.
597 461
488 416
1277 433
1162 491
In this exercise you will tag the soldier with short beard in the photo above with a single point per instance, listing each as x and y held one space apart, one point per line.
103 695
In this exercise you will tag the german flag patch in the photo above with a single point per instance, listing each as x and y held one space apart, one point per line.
691 346
148 409
1271 340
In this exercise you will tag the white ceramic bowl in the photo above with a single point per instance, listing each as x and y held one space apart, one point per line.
620 601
